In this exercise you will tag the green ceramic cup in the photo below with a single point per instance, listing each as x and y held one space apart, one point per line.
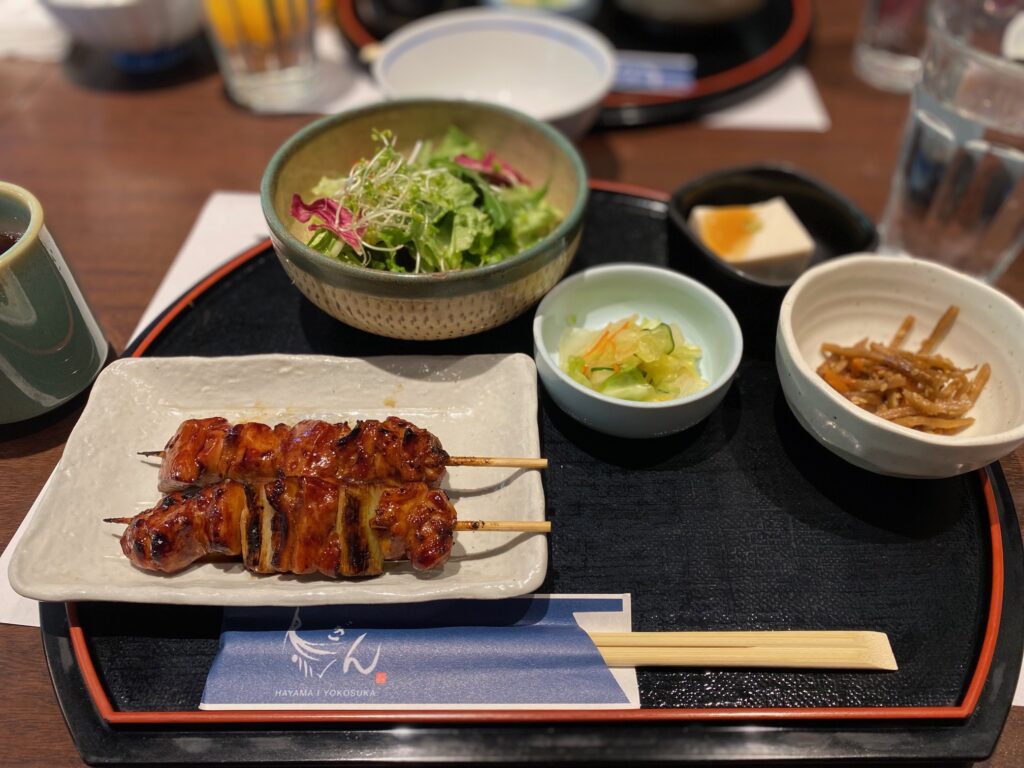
51 347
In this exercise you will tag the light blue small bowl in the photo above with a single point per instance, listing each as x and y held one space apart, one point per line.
600 295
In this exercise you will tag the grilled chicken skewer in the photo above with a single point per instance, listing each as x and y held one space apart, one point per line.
205 451
300 525
295 525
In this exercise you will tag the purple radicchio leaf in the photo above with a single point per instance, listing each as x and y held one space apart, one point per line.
493 169
333 217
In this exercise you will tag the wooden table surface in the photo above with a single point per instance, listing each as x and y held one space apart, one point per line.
122 174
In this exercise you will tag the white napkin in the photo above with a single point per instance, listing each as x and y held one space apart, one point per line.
790 104
28 31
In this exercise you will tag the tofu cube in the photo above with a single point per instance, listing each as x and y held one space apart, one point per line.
765 239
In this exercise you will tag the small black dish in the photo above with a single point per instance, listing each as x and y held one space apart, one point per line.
836 225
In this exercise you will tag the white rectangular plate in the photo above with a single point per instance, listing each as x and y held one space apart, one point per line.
483 405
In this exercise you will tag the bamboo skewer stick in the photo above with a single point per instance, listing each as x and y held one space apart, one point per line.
454 461
497 461
471 526
781 649
521 526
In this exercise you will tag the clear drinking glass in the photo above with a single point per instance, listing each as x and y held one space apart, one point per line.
265 50
889 42
958 189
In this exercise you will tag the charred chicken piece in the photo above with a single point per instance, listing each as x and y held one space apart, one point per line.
205 451
295 525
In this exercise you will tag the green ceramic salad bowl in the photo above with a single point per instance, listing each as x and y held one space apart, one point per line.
434 305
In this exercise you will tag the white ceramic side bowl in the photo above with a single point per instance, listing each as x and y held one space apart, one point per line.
554 69
600 295
846 299
129 26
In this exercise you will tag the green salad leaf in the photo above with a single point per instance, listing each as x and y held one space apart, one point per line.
449 207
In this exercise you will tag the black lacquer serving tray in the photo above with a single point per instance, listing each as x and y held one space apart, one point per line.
743 522
734 59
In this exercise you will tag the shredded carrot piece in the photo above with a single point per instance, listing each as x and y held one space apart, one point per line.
597 344
838 382
606 338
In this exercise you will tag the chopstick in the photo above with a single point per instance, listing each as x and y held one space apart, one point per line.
779 649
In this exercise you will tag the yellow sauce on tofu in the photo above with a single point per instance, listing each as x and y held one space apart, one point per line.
727 230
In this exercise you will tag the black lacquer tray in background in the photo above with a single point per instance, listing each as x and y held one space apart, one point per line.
743 522
734 60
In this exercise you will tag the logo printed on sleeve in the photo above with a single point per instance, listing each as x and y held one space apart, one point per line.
315 659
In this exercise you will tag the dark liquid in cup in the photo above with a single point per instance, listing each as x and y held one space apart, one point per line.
7 239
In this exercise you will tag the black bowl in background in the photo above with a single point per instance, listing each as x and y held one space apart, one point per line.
836 225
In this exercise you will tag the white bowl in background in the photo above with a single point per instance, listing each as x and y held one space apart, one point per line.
554 69
129 26
600 295
848 298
